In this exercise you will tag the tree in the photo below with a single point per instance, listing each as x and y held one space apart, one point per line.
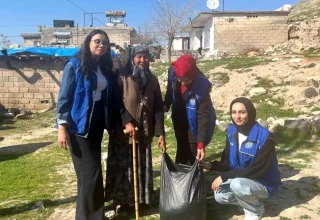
146 37
169 18
4 42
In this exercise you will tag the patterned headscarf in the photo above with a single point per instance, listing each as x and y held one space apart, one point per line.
141 75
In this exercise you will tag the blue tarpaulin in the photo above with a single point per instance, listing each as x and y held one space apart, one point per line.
47 51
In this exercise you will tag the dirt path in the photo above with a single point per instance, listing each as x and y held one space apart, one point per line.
16 139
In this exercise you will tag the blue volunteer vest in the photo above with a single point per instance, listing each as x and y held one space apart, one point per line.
198 91
247 154
83 102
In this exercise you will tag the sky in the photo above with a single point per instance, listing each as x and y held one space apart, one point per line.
24 16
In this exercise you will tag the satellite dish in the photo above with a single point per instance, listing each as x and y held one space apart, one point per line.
212 4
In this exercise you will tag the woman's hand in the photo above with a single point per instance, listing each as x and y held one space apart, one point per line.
216 184
63 137
200 154
162 143
130 129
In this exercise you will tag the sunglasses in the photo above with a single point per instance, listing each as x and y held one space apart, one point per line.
99 42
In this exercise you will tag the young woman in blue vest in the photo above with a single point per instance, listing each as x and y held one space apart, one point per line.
84 110
248 167
193 116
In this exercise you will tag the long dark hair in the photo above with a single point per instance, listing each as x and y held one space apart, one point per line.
85 56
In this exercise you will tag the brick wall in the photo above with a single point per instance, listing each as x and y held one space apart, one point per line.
239 33
33 85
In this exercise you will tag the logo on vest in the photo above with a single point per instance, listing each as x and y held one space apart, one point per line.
248 145
192 101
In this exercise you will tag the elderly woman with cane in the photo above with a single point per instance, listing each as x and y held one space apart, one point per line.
142 99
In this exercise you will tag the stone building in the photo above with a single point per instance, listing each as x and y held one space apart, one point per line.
237 32
73 36
65 33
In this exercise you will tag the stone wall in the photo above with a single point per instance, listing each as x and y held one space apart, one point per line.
33 84
242 33
120 36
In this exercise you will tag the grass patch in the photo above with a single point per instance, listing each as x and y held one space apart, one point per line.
284 218
245 62
312 53
265 111
304 217
222 78
206 65
29 175
159 68
265 83
231 63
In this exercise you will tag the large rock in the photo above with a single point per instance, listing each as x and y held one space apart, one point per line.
313 83
295 60
275 128
222 125
302 125
316 125
302 102
253 54
8 115
310 92
14 111
257 91
264 123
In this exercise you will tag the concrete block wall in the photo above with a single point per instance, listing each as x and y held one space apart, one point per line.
34 84
237 34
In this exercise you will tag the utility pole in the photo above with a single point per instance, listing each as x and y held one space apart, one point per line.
91 15
223 4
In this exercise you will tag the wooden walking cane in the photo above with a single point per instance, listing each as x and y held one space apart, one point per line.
135 180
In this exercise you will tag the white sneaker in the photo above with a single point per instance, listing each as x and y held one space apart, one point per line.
253 216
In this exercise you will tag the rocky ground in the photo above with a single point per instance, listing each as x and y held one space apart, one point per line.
292 78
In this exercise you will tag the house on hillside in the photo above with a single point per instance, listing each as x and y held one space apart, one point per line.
237 32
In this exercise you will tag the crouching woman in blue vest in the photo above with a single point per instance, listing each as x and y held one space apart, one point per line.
248 168
193 116
84 110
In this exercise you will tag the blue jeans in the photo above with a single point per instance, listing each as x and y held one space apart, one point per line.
244 192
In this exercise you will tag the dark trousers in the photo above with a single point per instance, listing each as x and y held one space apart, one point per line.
86 157
186 152
186 143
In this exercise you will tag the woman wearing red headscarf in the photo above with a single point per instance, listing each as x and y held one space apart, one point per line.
193 115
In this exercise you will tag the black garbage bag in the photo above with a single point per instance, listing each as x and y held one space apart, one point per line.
182 191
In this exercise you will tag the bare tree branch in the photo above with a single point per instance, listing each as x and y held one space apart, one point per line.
169 18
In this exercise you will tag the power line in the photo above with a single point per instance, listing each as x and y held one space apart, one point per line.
85 11
20 25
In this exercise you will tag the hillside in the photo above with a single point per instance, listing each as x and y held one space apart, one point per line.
305 10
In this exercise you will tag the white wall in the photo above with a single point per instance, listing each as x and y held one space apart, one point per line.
195 36
208 37
177 44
